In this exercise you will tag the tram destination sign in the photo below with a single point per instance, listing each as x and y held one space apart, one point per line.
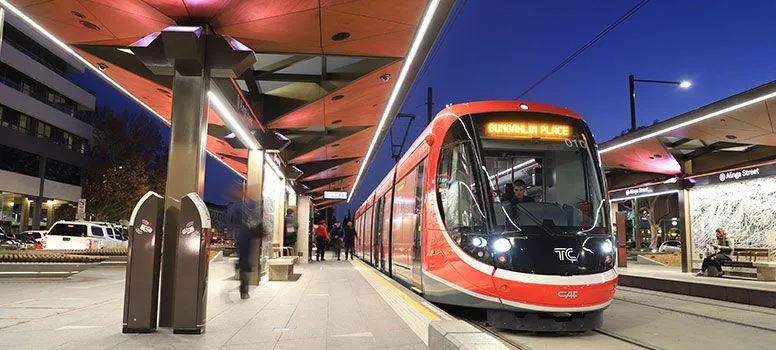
528 130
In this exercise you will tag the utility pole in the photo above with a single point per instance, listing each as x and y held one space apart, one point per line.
430 105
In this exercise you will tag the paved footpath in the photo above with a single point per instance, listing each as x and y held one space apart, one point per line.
330 306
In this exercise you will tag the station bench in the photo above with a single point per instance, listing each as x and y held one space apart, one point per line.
281 269
766 270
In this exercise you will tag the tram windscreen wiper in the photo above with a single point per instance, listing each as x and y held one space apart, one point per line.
533 218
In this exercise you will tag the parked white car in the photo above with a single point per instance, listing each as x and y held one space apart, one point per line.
670 247
78 235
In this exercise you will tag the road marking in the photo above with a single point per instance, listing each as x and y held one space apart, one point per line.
422 309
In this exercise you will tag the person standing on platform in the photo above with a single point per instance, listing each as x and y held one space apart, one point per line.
321 237
349 234
290 228
336 239
242 221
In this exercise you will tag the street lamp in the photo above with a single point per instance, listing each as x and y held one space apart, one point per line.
632 86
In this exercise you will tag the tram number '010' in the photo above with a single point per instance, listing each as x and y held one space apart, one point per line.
575 143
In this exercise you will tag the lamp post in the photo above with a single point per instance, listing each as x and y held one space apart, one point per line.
632 86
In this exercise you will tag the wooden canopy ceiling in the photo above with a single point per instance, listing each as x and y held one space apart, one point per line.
324 71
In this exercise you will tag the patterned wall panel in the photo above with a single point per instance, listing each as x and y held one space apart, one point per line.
745 209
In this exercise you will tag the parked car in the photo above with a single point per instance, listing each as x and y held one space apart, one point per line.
78 235
7 241
670 247
39 236
27 241
115 234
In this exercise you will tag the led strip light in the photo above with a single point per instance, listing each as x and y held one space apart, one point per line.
689 122
8 6
421 35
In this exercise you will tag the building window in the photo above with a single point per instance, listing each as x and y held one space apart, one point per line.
19 161
63 172
44 130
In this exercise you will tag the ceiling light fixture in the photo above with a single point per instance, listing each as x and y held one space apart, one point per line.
243 134
689 122
8 6
408 62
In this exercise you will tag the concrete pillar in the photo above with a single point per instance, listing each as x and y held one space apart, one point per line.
37 209
25 219
49 215
303 214
255 192
185 170
686 225
280 214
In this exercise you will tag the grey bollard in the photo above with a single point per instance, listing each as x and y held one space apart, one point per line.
141 290
191 267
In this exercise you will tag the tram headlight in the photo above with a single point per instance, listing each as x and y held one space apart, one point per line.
479 242
607 247
502 245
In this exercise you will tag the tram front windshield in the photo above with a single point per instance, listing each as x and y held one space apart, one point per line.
538 173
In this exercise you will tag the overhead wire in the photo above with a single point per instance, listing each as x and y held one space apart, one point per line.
587 45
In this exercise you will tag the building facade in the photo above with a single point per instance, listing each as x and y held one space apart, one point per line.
46 128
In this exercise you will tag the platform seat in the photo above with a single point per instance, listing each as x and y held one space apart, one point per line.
281 269
766 270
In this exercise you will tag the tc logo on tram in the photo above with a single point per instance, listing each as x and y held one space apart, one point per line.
568 294
566 254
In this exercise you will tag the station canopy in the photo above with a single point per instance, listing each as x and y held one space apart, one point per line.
324 73
737 131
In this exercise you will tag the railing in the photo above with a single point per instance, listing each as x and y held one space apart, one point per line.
35 57
64 108
57 141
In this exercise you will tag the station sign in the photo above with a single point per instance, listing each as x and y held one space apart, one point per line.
335 195
528 130
736 175
643 191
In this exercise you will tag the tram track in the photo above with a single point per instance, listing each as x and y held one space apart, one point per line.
504 336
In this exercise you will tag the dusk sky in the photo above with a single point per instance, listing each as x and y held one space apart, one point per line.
497 49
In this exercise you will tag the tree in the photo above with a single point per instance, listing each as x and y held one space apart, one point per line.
129 158
653 220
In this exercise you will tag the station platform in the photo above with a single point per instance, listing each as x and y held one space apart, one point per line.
328 305
673 280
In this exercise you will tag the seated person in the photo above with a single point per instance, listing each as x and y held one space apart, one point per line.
519 193
722 248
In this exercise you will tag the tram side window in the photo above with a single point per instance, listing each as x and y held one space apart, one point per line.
458 191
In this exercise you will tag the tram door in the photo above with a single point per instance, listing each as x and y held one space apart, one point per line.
385 245
377 237
417 237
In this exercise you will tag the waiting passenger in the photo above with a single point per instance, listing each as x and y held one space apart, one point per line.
321 237
336 239
519 191
721 250
290 225
350 239
242 221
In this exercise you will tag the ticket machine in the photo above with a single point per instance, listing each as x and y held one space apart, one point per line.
141 291
191 267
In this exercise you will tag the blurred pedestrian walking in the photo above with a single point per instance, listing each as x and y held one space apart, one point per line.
349 238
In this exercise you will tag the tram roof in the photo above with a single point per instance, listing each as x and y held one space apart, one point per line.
736 131
331 97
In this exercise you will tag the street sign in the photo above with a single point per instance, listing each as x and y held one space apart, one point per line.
335 195
80 214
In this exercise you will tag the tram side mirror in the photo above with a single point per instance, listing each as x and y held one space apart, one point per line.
429 140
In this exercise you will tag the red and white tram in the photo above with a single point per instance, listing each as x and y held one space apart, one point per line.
499 205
